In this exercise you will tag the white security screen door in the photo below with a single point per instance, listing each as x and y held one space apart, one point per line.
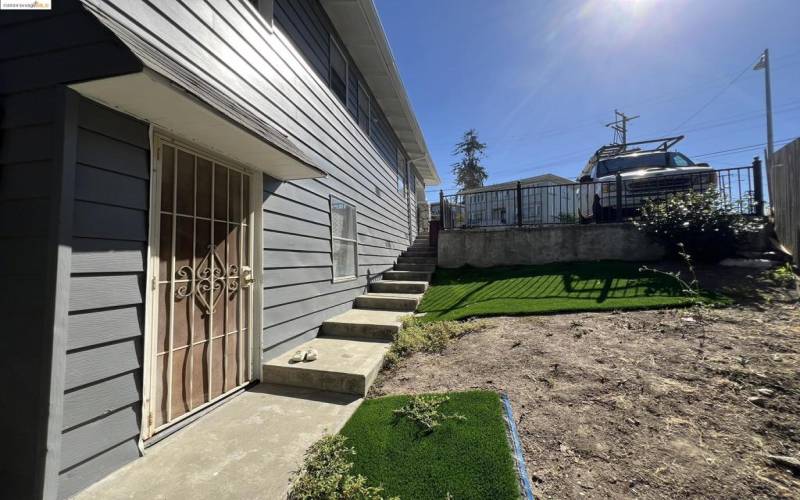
202 315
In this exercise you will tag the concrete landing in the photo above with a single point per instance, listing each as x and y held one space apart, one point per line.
364 323
344 365
246 448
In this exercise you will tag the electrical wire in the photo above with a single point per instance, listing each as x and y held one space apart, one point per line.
742 149
717 95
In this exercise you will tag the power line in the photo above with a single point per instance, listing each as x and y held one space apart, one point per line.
741 149
590 122
716 96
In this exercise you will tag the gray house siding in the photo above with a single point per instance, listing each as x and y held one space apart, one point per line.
268 75
26 181
298 290
78 190
306 24
103 382
35 59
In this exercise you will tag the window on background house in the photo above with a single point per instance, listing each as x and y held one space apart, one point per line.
338 75
363 108
344 240
499 215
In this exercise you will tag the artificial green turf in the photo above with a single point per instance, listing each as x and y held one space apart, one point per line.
468 459
583 286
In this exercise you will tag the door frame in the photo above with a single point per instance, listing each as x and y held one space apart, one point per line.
158 137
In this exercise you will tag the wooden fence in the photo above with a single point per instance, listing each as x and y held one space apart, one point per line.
784 180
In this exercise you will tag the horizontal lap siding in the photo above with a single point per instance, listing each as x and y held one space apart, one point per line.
103 379
225 44
26 170
39 51
291 90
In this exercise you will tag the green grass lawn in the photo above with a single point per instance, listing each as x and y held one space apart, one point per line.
583 286
468 459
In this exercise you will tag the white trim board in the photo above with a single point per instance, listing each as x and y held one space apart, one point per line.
152 98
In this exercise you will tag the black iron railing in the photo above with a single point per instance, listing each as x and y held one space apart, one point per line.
588 202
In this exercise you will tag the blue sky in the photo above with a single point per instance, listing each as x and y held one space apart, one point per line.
538 79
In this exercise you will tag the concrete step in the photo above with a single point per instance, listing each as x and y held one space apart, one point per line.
428 268
344 365
407 275
420 249
389 301
390 286
419 253
404 259
364 324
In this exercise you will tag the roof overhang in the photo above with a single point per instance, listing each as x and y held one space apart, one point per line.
359 27
175 98
153 98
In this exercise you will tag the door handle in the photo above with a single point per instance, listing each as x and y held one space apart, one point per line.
247 276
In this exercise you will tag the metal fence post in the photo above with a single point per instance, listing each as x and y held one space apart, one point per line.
758 188
441 209
519 203
619 197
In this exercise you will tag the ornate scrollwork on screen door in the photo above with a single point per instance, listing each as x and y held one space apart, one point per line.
208 281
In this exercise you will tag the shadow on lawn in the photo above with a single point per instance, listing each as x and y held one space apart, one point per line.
596 282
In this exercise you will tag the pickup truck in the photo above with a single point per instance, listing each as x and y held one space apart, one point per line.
644 175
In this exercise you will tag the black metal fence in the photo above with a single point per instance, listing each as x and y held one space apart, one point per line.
596 202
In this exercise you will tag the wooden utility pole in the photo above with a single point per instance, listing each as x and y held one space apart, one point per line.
620 126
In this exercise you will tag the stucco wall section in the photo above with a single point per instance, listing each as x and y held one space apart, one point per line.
543 245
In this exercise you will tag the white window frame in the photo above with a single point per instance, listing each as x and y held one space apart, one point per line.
363 90
334 45
339 238
266 9
402 171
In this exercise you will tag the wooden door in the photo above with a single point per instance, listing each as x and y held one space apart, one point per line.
202 316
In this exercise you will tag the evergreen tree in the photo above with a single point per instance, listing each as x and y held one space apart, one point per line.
469 172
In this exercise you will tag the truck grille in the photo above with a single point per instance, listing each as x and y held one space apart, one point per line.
659 185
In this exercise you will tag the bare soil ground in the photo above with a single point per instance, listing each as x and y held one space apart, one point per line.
650 404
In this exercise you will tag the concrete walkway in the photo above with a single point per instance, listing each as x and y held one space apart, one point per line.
247 448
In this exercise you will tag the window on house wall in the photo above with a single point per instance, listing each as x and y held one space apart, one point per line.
402 172
344 240
363 108
264 7
338 76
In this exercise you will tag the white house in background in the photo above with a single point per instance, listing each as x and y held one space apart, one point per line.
546 199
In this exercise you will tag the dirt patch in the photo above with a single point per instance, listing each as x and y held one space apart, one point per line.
652 404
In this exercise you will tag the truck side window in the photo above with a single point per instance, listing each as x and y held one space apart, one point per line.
679 160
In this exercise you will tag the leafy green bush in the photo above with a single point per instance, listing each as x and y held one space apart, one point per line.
425 412
708 226
419 336
783 276
325 474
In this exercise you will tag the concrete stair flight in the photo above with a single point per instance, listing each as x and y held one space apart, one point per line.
352 345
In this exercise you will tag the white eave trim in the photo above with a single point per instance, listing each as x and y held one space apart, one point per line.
152 98
359 26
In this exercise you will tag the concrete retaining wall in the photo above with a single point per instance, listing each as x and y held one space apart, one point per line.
543 245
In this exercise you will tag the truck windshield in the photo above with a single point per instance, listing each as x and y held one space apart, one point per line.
626 163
